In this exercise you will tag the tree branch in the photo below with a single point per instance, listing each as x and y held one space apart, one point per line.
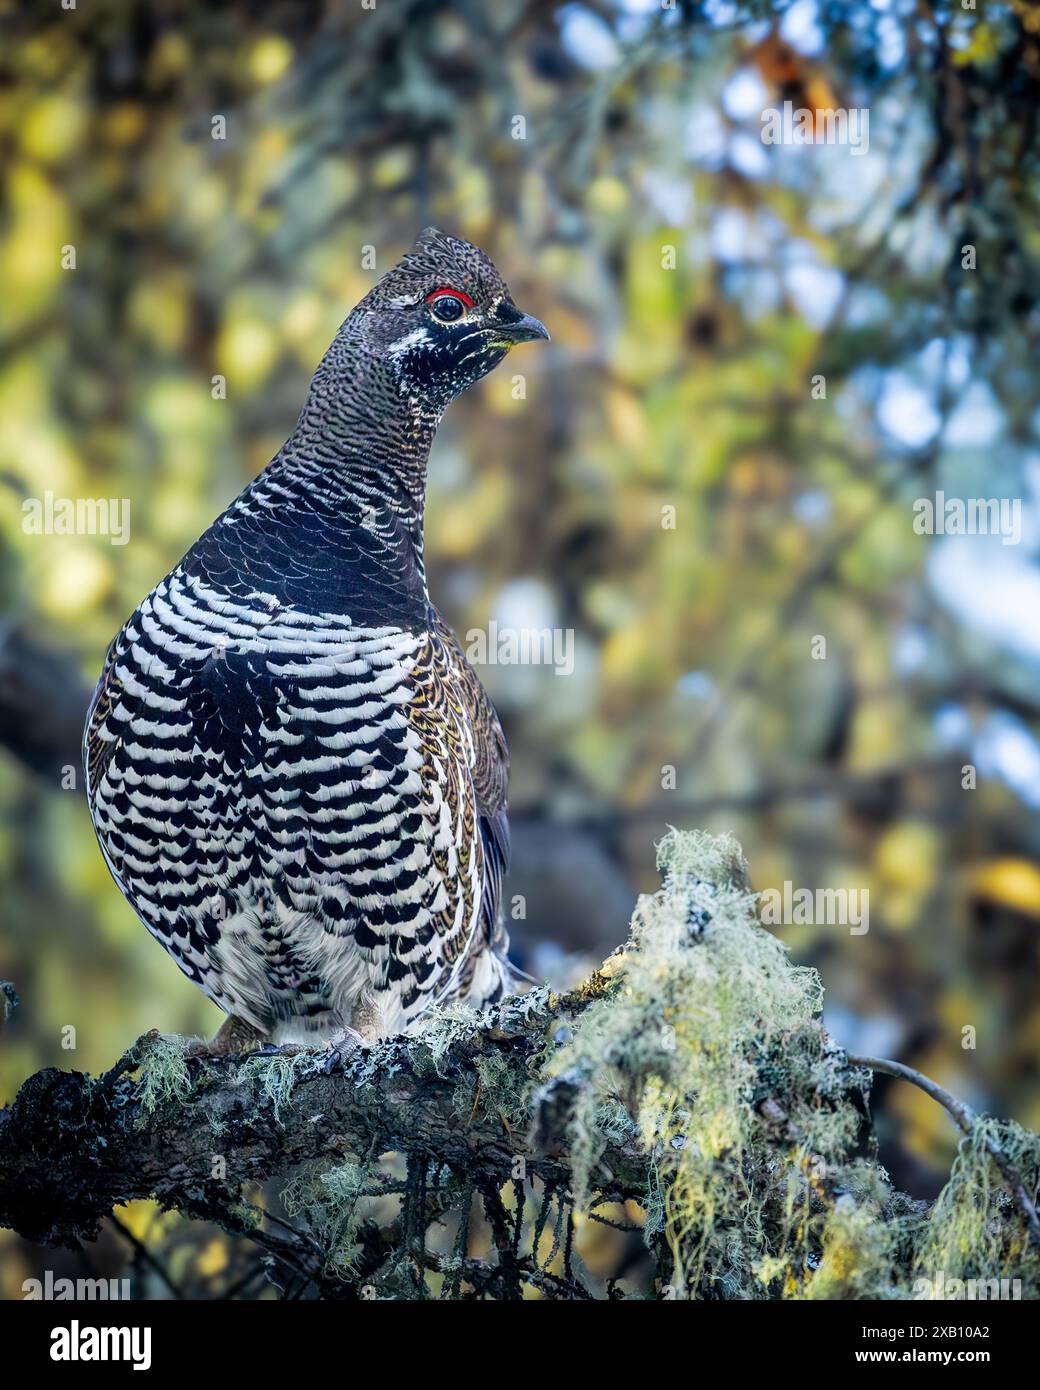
72 1148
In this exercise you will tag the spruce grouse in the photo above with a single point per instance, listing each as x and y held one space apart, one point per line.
296 778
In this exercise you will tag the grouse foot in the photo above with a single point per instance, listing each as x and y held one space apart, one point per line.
342 1046
233 1036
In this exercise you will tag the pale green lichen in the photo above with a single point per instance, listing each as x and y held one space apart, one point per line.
496 1085
711 1039
275 1078
716 859
502 1088
857 1256
707 1017
975 1230
444 1029
163 1074
329 1202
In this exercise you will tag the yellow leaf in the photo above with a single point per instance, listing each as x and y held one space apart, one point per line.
247 349
212 1257
52 128
142 1219
606 196
269 58
1013 883
627 421
907 856
76 576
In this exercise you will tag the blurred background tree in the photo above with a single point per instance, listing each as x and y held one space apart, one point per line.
223 178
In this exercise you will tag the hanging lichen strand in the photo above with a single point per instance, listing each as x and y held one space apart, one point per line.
711 1042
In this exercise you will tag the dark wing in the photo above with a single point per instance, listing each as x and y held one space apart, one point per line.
98 750
490 773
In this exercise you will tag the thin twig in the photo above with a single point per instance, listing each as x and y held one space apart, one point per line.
145 1255
961 1111
966 1119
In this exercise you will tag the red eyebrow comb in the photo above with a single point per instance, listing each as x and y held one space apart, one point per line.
442 290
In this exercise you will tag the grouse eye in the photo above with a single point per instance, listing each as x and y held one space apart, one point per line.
448 305
448 308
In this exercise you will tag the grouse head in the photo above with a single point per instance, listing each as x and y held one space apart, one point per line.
442 318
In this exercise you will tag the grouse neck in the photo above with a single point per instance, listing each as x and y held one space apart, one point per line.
334 524
362 443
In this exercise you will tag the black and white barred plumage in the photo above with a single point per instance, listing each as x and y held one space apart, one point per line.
295 777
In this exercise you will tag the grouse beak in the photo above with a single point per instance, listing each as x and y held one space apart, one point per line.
526 330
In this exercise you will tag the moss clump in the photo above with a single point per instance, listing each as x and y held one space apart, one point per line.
163 1074
276 1078
331 1203
975 1230
707 1022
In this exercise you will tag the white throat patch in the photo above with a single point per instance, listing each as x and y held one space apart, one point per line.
418 338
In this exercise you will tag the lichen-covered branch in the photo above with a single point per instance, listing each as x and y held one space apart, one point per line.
163 1122
687 1096
966 1118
